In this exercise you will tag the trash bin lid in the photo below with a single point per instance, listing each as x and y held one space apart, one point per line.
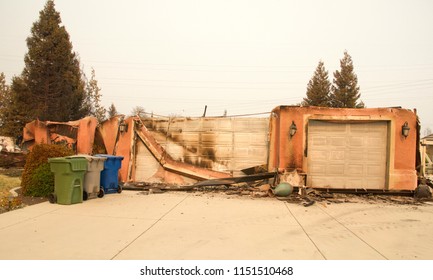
58 160
77 163
89 158
109 156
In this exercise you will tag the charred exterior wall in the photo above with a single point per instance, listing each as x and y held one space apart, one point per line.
184 150
147 159
221 144
288 152
166 154
78 135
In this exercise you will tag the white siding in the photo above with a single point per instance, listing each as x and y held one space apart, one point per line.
146 165
221 144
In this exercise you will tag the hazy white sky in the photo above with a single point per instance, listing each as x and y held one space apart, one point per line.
243 56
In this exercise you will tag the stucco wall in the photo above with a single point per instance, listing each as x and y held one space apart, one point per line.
78 134
291 152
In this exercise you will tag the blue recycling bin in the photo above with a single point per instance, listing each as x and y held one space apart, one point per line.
110 173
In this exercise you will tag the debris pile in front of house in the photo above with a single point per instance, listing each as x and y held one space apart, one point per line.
312 196
305 196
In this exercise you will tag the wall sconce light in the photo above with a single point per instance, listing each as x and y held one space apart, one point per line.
405 130
292 129
123 126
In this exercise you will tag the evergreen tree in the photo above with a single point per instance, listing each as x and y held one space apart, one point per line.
4 88
4 95
318 88
92 101
12 119
345 90
5 101
112 111
50 86
86 105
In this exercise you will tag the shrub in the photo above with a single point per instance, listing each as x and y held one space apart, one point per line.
41 181
37 178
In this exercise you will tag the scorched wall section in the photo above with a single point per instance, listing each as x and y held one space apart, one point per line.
220 144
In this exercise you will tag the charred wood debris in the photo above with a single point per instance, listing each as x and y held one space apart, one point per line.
262 186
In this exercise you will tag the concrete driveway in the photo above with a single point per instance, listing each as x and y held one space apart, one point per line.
179 225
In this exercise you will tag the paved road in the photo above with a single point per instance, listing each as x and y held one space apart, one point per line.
209 226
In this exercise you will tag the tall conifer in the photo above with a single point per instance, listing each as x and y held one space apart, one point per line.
50 86
112 111
345 90
318 88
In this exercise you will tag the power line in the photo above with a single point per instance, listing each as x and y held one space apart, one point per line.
204 87
406 83
193 81
228 116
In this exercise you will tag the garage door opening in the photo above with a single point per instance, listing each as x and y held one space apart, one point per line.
347 155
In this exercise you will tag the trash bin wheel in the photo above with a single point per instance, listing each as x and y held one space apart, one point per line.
119 189
52 198
101 193
85 195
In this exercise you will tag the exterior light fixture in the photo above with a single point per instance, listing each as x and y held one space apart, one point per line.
405 130
123 126
292 129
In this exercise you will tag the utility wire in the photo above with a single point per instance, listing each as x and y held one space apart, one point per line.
228 116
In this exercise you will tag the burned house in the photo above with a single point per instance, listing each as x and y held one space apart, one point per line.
368 149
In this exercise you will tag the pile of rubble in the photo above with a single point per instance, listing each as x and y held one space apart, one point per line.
300 195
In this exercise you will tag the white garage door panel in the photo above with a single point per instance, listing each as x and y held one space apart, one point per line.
335 169
320 155
347 155
355 169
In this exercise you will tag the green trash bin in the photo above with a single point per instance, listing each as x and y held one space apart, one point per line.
68 179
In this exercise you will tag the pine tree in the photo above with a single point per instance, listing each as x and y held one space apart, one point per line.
318 88
112 111
50 86
5 101
4 88
12 118
4 94
345 90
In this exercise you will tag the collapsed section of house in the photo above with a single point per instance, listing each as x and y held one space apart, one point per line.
370 149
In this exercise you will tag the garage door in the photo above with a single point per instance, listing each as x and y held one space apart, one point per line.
347 155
